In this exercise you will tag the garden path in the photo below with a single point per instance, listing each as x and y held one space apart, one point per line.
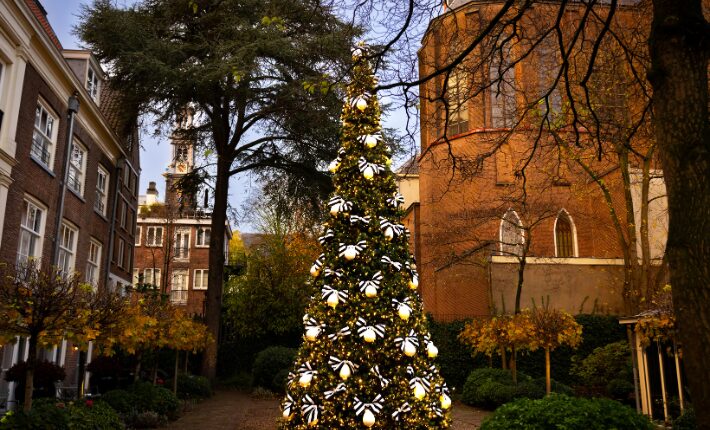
235 410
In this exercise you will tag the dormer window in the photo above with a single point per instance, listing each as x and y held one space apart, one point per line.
93 82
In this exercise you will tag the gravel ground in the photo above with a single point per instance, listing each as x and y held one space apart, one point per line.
235 410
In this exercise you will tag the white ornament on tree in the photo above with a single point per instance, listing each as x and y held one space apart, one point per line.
431 350
368 418
333 166
349 252
361 104
414 282
404 312
313 333
389 233
445 401
369 335
419 391
305 379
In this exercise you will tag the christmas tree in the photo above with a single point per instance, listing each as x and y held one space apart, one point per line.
367 360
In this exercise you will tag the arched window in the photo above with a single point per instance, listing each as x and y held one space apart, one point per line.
565 240
457 88
511 234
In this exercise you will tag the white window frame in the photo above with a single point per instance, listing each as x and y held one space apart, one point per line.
121 253
136 276
203 276
509 222
457 88
76 171
205 242
154 243
148 275
34 233
101 197
139 230
502 91
93 262
573 228
178 291
186 236
68 236
48 141
93 83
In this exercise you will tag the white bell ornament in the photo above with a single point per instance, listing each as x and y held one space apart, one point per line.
368 418
333 166
368 173
345 372
312 333
370 291
431 350
389 233
371 141
445 401
419 391
404 312
350 253
333 299
369 335
305 380
361 104
414 282
409 349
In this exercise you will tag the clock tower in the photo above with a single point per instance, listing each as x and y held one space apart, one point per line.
182 161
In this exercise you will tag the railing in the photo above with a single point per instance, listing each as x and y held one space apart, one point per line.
40 145
178 297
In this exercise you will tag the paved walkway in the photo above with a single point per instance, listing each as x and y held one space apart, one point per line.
234 410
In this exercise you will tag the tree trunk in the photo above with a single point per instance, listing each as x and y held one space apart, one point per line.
548 381
216 260
679 56
137 375
30 373
80 375
503 358
175 375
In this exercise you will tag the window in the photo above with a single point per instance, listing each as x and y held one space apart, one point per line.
182 244
200 281
92 84
512 237
43 137
457 88
31 231
136 277
502 90
93 262
152 276
548 68
178 287
100 202
154 236
122 214
129 256
120 253
77 168
67 249
139 230
203 236
564 236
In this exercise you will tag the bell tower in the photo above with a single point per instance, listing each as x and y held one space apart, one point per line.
182 161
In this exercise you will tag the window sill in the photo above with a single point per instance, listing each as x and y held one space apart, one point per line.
44 167
103 216
202 246
77 195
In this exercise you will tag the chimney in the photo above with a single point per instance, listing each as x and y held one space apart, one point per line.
151 195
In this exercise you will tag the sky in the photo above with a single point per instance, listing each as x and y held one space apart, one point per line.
155 152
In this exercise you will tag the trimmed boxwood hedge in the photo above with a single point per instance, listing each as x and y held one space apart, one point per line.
489 388
562 412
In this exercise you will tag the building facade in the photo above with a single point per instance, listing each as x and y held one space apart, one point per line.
69 165
173 237
501 204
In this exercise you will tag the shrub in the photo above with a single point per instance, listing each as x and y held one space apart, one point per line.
193 387
93 416
146 420
489 388
240 380
454 360
157 399
121 401
45 414
270 362
686 421
45 375
560 411
605 364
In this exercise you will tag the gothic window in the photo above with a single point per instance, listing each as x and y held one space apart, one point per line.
456 88
502 89
564 236
511 234
548 68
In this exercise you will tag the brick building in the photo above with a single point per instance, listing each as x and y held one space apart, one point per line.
173 237
69 165
471 225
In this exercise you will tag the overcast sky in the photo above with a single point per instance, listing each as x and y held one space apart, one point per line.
155 153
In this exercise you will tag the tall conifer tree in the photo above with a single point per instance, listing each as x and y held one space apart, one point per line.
367 359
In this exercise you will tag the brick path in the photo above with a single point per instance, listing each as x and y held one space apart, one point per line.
234 410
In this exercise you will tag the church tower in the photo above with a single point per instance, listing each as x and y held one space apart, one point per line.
182 162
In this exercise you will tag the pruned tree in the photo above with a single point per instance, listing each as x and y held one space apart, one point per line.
260 74
43 305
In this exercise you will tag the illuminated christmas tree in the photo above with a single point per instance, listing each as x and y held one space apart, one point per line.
367 360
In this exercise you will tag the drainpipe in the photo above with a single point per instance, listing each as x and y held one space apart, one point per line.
112 221
72 110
